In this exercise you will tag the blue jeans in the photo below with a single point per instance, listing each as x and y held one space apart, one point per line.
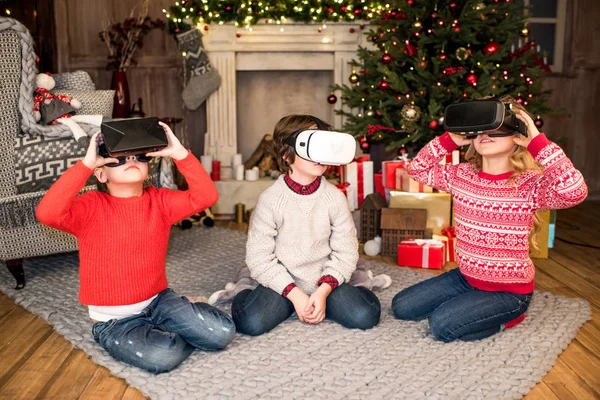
258 311
456 310
165 333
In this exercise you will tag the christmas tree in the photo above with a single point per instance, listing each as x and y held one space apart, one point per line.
428 54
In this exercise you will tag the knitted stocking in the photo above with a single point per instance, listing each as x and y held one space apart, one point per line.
204 79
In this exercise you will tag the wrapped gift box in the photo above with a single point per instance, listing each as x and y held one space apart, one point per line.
379 188
359 175
407 184
438 207
349 193
388 172
542 236
449 241
422 253
452 158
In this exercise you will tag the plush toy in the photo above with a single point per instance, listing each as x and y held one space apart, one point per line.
363 277
360 277
51 109
203 218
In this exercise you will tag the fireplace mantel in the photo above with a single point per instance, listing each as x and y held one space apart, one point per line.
269 47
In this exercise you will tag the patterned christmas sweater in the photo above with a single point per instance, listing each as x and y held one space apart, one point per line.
493 215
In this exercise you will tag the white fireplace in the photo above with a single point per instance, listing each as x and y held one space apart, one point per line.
323 49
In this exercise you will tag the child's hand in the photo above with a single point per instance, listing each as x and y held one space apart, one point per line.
317 301
174 150
92 159
460 140
532 130
300 301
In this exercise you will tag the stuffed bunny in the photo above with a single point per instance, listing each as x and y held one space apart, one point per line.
51 109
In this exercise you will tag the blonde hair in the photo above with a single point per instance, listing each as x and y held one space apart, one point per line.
520 161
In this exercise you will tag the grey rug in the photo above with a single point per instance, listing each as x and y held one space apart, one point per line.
396 359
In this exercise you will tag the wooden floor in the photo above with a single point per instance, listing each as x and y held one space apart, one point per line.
35 362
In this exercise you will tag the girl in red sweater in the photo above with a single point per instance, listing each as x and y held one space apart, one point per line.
123 237
495 196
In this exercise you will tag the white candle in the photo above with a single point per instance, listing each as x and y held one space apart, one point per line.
236 159
251 175
239 172
206 163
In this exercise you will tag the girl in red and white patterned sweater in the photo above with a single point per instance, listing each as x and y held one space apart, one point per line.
495 198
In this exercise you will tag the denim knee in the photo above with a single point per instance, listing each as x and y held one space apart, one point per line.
402 308
251 326
365 316
225 334
162 360
441 329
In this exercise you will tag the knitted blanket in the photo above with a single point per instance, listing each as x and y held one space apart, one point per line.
396 359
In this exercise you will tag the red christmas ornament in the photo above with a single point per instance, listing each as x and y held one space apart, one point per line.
332 99
411 50
452 5
471 79
383 85
410 2
238 34
538 122
519 99
374 38
433 125
442 56
362 27
205 27
364 145
451 70
491 48
377 114
351 30
386 58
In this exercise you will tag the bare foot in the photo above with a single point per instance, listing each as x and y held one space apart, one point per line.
197 299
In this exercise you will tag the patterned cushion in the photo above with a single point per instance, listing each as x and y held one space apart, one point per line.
78 80
93 102
40 161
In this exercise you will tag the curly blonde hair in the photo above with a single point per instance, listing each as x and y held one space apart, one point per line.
520 161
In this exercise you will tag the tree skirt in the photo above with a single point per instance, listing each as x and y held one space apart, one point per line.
397 359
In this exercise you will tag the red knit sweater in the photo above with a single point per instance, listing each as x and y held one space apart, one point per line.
123 241
494 216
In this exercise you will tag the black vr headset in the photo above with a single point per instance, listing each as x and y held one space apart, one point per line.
478 117
322 145
131 136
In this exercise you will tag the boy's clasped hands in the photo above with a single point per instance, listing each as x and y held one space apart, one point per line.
310 309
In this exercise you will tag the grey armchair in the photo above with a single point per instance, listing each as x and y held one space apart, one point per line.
31 156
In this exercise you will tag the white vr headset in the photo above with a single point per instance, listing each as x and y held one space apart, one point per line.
324 147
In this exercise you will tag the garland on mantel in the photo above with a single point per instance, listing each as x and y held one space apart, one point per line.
186 14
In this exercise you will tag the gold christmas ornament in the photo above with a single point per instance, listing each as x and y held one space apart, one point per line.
462 54
418 24
353 78
524 32
411 113
480 6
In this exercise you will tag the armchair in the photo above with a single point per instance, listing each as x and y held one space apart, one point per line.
31 156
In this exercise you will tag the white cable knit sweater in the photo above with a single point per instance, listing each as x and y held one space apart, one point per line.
299 238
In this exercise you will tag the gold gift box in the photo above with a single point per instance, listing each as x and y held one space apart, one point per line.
438 206
542 236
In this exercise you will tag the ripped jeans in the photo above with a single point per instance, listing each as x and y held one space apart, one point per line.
165 333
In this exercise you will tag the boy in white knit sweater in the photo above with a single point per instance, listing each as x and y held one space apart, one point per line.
302 248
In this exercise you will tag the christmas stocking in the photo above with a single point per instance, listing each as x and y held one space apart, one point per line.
204 79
